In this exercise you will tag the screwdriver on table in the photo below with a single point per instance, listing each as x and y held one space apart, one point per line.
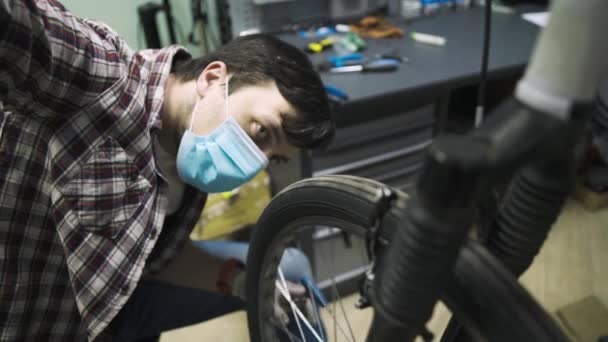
380 65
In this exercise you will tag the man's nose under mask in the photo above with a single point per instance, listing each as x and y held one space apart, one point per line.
219 161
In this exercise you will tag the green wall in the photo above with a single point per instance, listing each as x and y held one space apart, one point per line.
122 16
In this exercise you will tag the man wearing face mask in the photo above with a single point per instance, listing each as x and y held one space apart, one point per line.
106 158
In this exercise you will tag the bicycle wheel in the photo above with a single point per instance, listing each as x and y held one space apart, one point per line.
482 294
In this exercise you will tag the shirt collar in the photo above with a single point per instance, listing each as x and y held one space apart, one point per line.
160 62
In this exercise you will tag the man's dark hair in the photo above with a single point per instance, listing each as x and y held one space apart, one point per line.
260 58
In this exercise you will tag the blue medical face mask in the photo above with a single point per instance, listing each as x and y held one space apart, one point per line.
221 160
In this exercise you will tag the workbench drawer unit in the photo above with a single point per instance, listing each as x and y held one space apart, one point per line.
389 150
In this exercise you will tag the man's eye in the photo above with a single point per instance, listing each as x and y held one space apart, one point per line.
262 133
276 160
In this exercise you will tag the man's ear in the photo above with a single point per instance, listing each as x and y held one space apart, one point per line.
214 73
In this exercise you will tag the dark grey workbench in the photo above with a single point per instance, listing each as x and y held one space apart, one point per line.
422 86
432 71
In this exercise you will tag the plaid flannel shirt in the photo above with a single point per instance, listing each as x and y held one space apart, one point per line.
82 204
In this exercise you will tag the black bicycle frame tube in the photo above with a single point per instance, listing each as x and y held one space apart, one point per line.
413 270
539 189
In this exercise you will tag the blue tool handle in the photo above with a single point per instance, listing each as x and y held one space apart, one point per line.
381 65
337 92
338 61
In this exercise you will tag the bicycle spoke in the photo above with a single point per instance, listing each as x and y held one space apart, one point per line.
304 321
350 329
333 302
287 296
291 335
283 328
294 308
333 295
333 311
339 326
317 312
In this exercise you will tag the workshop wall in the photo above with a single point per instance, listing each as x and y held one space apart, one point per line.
122 17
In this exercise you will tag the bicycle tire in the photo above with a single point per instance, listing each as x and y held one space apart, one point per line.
480 284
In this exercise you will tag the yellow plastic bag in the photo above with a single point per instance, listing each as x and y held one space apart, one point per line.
228 212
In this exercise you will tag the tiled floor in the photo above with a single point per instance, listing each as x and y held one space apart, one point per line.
572 265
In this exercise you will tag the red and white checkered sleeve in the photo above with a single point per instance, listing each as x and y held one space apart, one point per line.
52 63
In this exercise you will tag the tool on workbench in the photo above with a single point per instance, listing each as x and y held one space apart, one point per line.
376 27
379 65
319 46
336 93
320 32
349 43
392 55
429 39
337 97
339 61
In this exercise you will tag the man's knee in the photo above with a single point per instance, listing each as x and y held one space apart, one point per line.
295 265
